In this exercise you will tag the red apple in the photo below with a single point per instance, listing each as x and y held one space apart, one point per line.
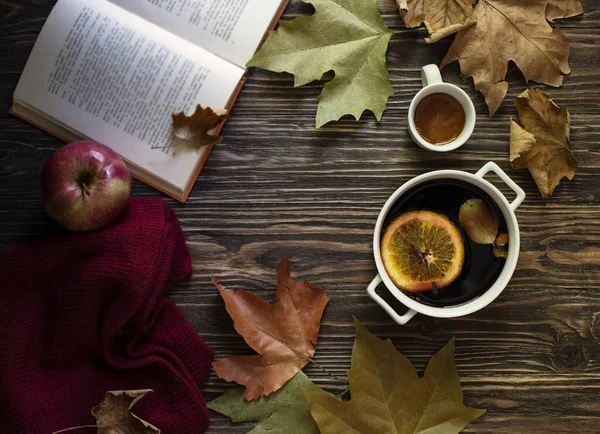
86 186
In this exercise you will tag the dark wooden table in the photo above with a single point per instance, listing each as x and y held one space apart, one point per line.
278 187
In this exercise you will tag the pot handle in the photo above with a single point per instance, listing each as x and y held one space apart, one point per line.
493 167
400 319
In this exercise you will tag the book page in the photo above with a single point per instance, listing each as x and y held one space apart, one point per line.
117 79
231 29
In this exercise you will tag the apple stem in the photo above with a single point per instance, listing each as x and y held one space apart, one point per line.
85 189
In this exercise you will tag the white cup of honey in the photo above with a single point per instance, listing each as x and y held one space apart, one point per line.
441 116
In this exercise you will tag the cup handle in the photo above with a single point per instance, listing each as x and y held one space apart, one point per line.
430 74
493 167
400 319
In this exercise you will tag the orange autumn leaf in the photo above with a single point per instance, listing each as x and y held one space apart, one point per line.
199 129
284 334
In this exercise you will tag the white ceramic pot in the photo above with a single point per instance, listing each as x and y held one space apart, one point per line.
508 211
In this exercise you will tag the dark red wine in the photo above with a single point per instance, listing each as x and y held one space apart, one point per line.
481 267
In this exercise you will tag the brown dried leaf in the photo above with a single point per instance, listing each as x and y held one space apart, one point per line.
198 130
558 9
113 415
502 240
508 30
283 334
440 17
500 252
479 221
539 141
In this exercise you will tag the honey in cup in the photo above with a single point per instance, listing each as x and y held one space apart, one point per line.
439 118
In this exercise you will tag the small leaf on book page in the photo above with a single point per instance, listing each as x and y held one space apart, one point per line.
198 130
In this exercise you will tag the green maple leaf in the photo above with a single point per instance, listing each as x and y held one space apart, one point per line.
389 397
284 411
346 36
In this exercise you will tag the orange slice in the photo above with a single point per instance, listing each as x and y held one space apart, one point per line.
420 248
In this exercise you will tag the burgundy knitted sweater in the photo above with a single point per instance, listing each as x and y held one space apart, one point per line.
82 314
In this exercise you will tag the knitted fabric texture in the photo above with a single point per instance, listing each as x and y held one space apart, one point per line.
82 314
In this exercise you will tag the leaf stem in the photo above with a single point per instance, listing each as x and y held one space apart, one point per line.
331 374
75 427
419 29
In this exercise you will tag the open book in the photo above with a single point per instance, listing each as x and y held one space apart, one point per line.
115 70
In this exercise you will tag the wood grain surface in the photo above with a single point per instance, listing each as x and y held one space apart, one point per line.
276 186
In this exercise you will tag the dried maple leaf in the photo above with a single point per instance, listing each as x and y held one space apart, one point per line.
440 17
508 30
389 397
539 141
199 129
558 9
283 334
113 415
